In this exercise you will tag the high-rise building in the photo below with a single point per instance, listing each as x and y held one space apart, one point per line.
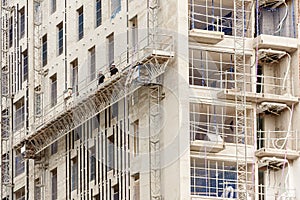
149 99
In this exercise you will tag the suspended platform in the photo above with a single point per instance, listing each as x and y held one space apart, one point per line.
71 113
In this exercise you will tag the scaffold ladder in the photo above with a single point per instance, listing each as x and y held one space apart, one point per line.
6 152
240 98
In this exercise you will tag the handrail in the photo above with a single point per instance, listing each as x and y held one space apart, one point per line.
88 85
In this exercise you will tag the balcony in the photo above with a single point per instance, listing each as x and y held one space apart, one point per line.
281 144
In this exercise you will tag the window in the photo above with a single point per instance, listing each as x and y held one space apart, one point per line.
98 13
116 192
20 194
136 137
114 110
110 152
214 123
44 50
54 184
74 74
136 187
115 7
19 163
74 174
213 178
38 101
25 65
10 31
111 54
92 56
19 114
37 189
80 23
52 6
134 33
22 22
53 95
60 33
54 147
92 164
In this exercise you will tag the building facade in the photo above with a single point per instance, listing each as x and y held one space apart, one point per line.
131 99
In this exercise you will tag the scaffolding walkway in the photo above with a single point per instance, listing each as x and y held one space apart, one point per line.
152 62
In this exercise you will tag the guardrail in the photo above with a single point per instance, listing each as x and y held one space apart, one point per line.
281 140
89 85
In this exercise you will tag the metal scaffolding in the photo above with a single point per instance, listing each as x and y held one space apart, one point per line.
240 97
6 130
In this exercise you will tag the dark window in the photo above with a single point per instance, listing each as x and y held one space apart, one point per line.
92 63
60 34
53 94
80 23
54 148
19 163
44 50
92 164
25 65
116 192
20 194
53 6
22 22
98 13
74 79
74 183
110 153
19 114
10 31
54 184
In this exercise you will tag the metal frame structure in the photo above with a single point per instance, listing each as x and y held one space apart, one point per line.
6 129
240 97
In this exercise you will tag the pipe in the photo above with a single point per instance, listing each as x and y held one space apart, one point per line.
279 26
65 48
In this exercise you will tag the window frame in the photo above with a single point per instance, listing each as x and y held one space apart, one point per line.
54 176
53 90
44 50
80 23
92 62
53 6
98 11
19 119
25 64
22 22
60 38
